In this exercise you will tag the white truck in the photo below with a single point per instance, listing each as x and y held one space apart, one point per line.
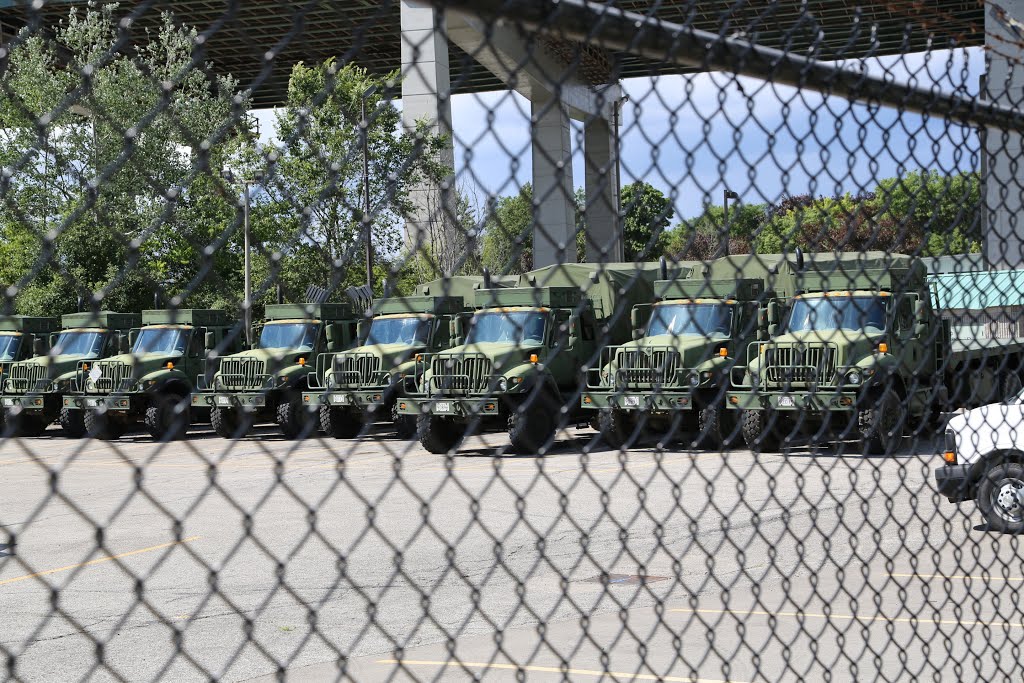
984 461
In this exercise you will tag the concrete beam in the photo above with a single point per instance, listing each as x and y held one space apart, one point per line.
1002 167
426 97
601 170
554 208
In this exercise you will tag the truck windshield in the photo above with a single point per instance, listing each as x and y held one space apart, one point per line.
838 313
692 319
413 330
297 336
516 327
80 343
9 346
166 340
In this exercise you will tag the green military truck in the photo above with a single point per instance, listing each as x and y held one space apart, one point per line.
36 390
860 351
152 383
364 384
519 367
673 376
22 337
266 383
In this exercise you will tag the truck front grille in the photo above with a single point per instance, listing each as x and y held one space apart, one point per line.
801 364
642 368
114 376
354 370
241 373
461 374
27 377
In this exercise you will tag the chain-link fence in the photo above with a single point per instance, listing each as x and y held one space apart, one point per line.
648 341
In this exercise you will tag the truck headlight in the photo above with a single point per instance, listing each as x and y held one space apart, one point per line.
853 377
502 384
693 379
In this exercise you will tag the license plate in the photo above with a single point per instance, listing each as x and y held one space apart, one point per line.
443 407
8 401
223 400
786 401
631 401
91 402
339 398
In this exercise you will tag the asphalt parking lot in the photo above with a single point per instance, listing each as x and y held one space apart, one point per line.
375 559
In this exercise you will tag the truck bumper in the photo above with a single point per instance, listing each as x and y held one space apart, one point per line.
954 482
28 404
73 401
346 399
449 406
794 400
112 404
662 401
239 400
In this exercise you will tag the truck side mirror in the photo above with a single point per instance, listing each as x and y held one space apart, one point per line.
132 336
773 329
362 330
574 332
211 340
38 346
53 339
638 317
773 314
458 329
122 343
335 337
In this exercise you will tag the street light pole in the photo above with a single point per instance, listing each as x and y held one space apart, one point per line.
247 302
727 195
364 127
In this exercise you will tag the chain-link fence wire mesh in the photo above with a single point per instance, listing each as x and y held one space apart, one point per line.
511 340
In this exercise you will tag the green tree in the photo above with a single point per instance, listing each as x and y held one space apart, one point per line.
701 237
508 233
113 196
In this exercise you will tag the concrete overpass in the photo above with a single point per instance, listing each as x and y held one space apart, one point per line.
441 54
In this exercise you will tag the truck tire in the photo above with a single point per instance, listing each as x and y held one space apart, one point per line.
532 425
880 427
1001 497
756 432
72 422
1011 385
102 426
163 420
293 418
615 427
438 435
405 425
229 424
716 427
24 424
339 423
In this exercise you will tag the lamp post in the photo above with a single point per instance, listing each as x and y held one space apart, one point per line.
364 132
727 195
247 296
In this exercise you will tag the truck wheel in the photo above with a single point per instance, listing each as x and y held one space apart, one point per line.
717 427
24 424
72 422
1010 386
615 427
102 426
293 418
163 420
1001 497
438 435
405 425
339 423
229 424
532 425
756 433
880 427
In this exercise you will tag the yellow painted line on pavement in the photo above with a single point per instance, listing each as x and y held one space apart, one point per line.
553 670
852 617
98 560
962 577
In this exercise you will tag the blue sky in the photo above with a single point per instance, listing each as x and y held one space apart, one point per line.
692 136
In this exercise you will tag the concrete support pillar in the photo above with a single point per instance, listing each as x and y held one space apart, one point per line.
426 97
604 238
1002 165
555 213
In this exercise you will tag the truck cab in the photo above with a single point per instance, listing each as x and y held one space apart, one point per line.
673 376
23 337
35 391
363 385
266 383
152 382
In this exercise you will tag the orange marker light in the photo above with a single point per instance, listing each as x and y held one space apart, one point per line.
723 352
534 358
419 357
302 361
85 366
949 457
883 348
170 365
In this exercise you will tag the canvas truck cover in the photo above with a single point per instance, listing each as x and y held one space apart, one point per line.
107 319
